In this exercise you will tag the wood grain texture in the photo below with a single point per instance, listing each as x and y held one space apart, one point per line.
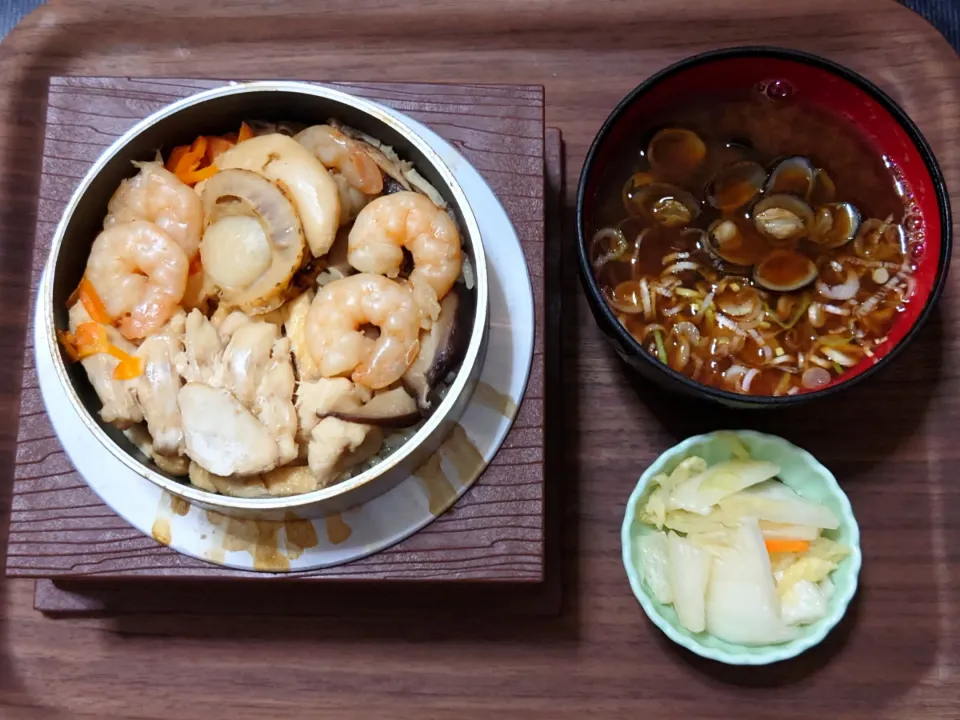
891 442
58 526
102 594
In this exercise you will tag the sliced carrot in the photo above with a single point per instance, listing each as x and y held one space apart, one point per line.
175 156
245 133
92 302
191 159
794 546
129 368
89 339
195 176
216 146
67 341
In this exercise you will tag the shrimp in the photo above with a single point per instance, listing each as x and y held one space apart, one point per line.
352 201
157 195
336 321
347 156
140 273
408 220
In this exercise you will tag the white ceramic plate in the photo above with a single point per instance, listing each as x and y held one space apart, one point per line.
384 521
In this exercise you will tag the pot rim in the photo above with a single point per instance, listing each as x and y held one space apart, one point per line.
463 382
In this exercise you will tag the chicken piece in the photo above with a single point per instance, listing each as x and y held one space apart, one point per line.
256 368
295 326
157 388
274 400
330 440
248 486
246 358
228 322
279 482
201 348
322 396
119 406
290 480
370 446
201 477
222 435
175 465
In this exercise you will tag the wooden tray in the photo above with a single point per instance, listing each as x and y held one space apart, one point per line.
893 442
59 527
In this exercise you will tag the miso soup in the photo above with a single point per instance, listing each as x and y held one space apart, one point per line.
754 246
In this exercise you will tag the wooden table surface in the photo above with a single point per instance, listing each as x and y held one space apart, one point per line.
892 442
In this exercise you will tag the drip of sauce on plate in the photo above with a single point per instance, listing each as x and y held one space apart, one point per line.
463 454
489 396
337 529
161 530
179 505
440 491
262 539
259 538
301 534
458 449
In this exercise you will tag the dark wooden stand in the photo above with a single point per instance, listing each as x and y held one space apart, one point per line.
94 562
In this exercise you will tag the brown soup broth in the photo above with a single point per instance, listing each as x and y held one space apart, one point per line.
757 334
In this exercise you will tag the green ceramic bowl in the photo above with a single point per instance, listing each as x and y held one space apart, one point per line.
806 476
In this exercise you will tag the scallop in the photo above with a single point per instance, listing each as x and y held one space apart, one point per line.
667 204
782 217
735 185
253 243
676 152
794 175
836 224
784 271
731 243
303 177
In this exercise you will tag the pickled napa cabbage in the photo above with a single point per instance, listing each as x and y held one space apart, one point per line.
742 605
689 571
704 490
737 553
652 551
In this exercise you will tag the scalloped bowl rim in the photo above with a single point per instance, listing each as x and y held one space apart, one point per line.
763 654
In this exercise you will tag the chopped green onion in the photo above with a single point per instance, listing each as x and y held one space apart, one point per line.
687 292
835 340
661 350
837 369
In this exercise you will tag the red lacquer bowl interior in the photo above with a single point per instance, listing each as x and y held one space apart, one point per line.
783 74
